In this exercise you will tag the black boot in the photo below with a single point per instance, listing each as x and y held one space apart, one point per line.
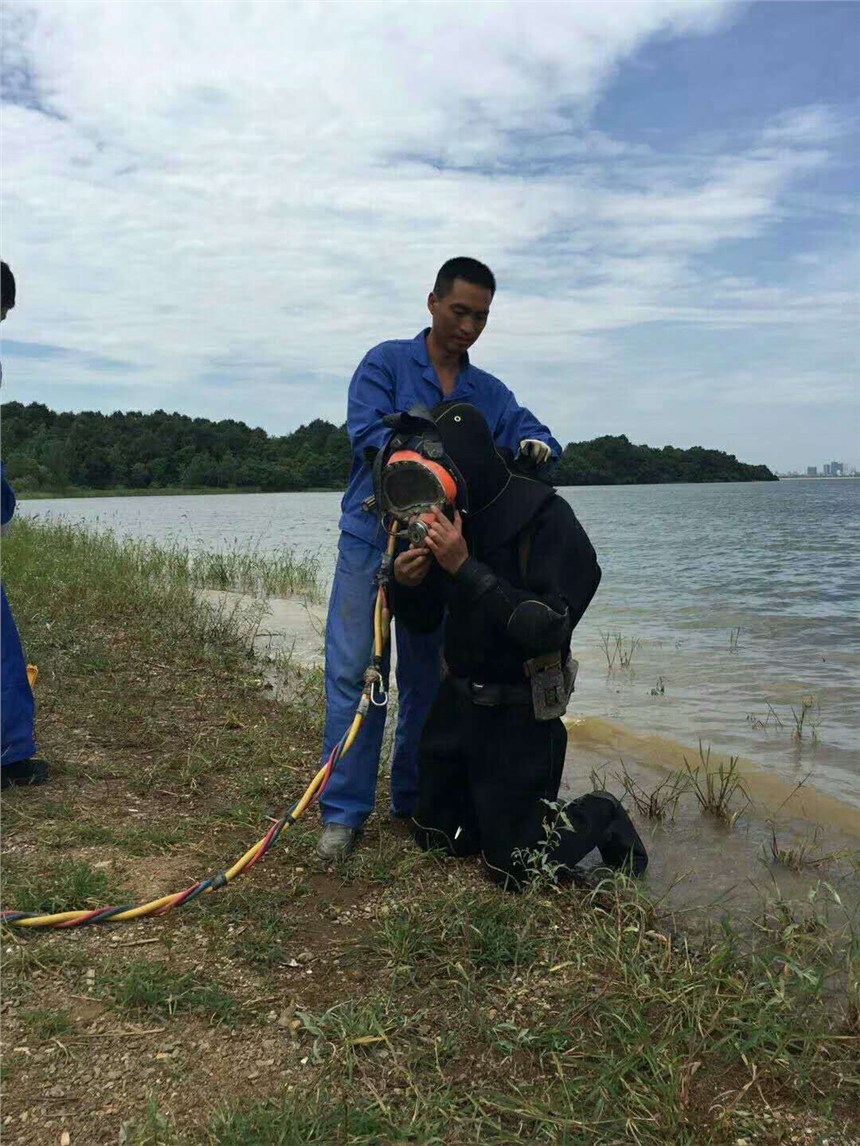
621 848
24 773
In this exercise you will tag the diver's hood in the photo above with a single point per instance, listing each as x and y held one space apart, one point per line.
426 446
500 502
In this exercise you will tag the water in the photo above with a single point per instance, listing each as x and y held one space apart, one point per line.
740 603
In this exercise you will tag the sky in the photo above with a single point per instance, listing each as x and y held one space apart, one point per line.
219 207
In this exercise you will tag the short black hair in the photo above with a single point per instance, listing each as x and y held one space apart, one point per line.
463 268
7 286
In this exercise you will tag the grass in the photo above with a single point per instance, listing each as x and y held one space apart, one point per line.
716 786
44 1023
805 855
399 997
659 802
808 717
61 885
154 989
618 650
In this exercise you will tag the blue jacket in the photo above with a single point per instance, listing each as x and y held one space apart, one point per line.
396 375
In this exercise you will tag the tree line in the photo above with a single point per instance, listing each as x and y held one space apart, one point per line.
54 452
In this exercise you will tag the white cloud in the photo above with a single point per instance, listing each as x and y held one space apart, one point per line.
264 190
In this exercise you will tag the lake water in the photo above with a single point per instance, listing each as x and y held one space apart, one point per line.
740 603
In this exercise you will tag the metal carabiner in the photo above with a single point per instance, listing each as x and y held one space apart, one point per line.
383 694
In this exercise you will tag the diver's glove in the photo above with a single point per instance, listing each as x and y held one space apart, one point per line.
533 453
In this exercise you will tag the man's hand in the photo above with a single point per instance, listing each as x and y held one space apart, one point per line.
410 567
446 542
533 453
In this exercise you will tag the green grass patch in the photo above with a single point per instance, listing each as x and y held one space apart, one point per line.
63 885
47 1024
155 989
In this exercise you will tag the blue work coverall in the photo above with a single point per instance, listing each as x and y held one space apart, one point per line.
17 711
392 377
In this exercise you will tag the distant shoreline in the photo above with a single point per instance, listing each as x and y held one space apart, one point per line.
173 491
179 491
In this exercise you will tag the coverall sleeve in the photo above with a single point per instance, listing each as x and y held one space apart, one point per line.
514 422
562 574
370 398
420 608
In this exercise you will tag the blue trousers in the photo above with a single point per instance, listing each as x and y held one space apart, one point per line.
351 793
16 703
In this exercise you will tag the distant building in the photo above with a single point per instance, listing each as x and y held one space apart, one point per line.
812 471
837 469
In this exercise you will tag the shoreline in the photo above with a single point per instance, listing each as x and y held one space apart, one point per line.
293 623
768 789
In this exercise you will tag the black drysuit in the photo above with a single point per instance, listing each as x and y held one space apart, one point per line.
486 769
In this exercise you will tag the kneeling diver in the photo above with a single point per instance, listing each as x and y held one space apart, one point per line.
512 570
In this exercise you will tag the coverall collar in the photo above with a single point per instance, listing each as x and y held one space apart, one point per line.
422 357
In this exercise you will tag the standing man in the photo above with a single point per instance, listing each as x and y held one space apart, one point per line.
18 763
393 377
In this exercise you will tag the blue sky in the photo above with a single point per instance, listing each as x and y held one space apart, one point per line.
218 208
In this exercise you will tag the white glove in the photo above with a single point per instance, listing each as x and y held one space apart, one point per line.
534 452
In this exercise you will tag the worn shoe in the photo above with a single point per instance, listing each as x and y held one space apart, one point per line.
24 773
336 841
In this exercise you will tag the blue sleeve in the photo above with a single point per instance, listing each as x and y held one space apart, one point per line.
371 397
514 422
8 498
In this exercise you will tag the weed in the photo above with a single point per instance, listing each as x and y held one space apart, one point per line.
402 940
495 934
47 1024
805 855
156 1129
716 786
61 886
351 1025
809 716
758 724
541 872
660 802
659 688
617 648
156 989
734 639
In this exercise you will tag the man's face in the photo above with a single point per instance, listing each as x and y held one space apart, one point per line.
459 317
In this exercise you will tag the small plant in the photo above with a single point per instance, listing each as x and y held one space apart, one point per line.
716 787
156 1128
660 802
540 871
755 722
48 1024
734 639
154 988
809 716
618 650
659 688
804 856
62 886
